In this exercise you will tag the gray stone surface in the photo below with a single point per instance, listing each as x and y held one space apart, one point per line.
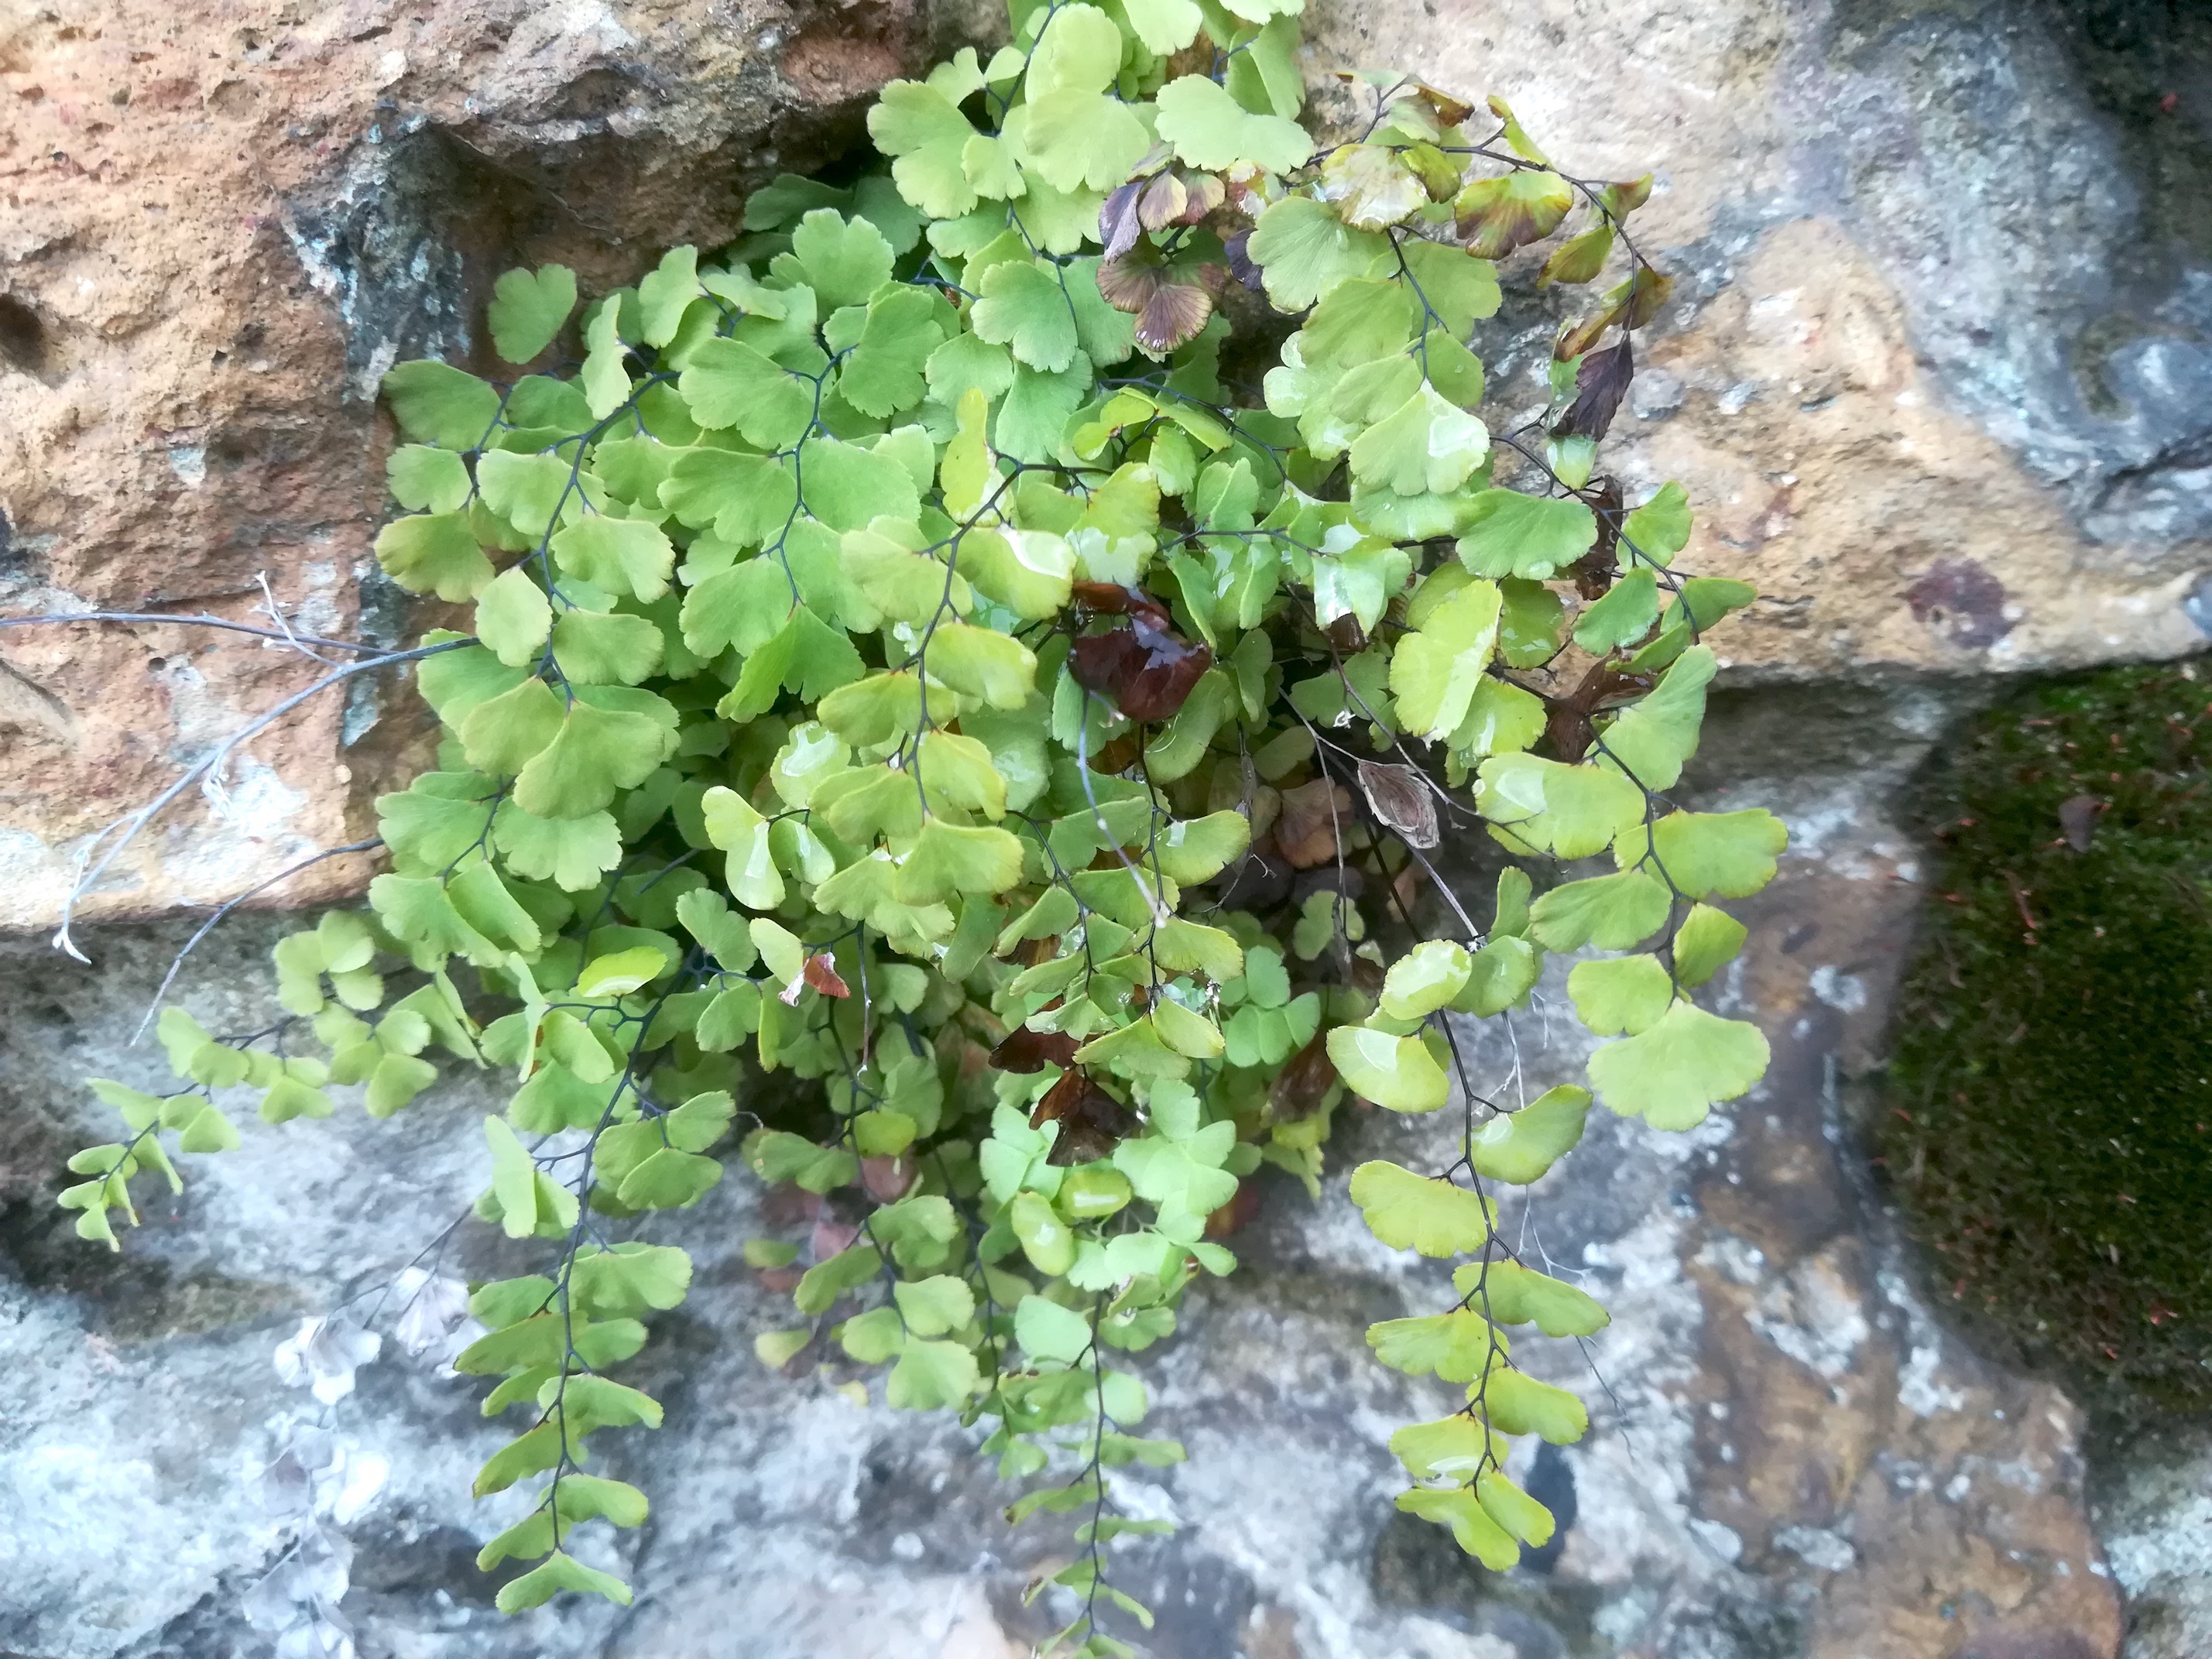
2151 1494
1789 1455
2013 166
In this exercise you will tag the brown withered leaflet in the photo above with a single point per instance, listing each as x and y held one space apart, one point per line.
1594 573
823 977
1493 216
1144 671
1632 304
1091 1122
1448 110
1302 1085
1161 201
1118 229
1345 634
1240 263
1025 1050
1118 757
1171 302
1202 193
1238 1212
1568 726
1112 599
1599 384
1314 816
818 973
1401 799
1622 199
887 1178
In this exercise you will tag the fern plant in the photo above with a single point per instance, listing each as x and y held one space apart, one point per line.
924 722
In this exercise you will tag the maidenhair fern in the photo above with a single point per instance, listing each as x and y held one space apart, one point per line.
921 712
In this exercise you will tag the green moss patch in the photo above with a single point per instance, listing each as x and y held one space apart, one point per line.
2049 1128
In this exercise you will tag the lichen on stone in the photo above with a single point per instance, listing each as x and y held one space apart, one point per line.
2049 1130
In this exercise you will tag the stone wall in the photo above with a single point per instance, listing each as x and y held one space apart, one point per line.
1937 381
1936 376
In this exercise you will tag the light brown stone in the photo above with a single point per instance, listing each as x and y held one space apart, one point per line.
1833 460
219 220
1882 528
1935 1500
